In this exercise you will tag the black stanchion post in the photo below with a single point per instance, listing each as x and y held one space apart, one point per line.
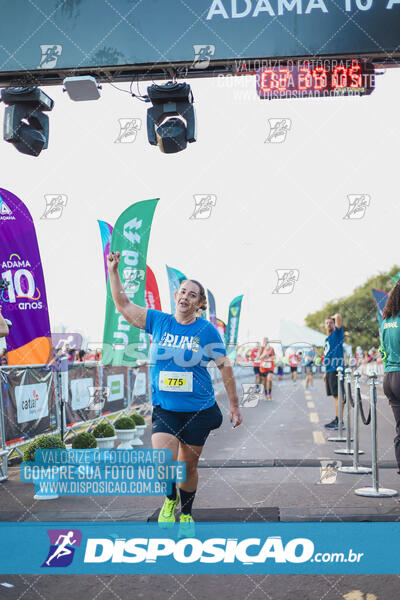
356 468
340 437
348 449
375 491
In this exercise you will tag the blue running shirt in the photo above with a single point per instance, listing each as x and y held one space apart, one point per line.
179 356
333 350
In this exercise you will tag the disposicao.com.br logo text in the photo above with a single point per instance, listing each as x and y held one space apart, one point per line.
213 550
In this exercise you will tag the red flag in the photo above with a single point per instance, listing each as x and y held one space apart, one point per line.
152 295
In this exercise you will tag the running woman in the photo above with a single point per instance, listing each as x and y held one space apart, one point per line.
267 366
390 348
184 407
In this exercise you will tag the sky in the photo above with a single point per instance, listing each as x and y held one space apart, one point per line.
278 206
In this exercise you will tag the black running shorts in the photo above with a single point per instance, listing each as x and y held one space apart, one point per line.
256 370
331 383
190 428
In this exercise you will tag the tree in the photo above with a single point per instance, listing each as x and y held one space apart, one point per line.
360 324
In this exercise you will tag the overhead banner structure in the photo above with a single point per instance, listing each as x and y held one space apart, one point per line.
130 237
175 279
105 232
232 328
24 302
118 34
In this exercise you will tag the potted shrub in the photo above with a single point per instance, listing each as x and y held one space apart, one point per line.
43 442
105 435
125 430
84 441
140 427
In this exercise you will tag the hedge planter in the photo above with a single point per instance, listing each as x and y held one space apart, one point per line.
106 443
125 430
43 442
140 431
40 494
105 436
126 437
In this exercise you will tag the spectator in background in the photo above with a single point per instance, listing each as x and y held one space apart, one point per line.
4 329
333 358
3 357
81 355
97 356
310 362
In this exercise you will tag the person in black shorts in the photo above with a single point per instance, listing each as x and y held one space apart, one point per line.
185 411
333 358
390 350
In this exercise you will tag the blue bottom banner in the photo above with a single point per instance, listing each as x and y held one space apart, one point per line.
213 548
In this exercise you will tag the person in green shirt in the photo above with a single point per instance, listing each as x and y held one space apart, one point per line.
390 350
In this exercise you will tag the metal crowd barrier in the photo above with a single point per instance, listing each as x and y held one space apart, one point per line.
345 397
57 418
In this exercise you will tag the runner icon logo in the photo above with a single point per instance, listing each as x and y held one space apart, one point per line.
203 205
252 394
132 279
358 204
202 55
286 281
128 129
98 397
50 55
55 204
62 547
278 129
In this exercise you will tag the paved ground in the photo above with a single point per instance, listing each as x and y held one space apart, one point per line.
272 460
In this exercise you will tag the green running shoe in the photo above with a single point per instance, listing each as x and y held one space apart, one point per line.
186 526
166 518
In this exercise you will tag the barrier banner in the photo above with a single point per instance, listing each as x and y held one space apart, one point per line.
140 388
29 406
215 548
130 237
24 302
115 382
175 279
81 385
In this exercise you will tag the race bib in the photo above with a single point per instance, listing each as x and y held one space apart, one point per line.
267 365
175 381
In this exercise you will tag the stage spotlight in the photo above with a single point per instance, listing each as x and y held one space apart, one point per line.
171 121
82 88
25 125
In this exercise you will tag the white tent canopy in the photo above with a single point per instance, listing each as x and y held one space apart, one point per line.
292 334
